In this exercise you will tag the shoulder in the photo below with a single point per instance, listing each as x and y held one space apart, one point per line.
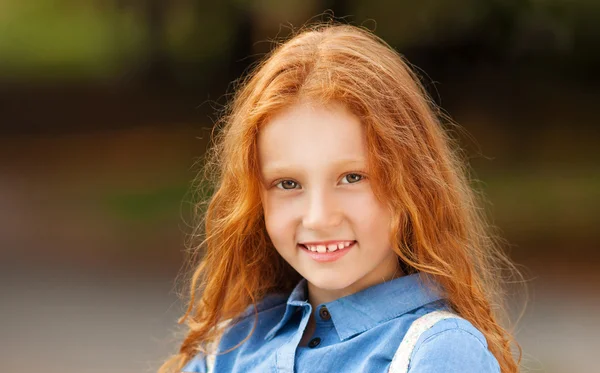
236 329
196 365
453 345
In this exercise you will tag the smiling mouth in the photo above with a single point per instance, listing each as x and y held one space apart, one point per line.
329 248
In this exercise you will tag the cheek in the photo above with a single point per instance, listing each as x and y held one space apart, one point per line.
278 221
371 218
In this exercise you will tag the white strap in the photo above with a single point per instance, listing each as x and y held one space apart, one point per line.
401 358
211 357
210 363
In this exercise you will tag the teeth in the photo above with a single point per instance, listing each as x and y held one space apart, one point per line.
328 248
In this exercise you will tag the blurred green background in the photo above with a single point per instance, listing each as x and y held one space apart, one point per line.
106 107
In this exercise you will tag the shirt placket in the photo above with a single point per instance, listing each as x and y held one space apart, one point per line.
286 354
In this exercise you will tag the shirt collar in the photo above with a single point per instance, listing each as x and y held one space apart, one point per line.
361 311
298 298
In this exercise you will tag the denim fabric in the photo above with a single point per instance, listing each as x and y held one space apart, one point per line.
362 334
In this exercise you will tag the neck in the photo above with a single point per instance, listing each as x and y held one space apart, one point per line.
318 295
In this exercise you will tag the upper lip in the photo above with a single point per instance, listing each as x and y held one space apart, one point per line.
330 242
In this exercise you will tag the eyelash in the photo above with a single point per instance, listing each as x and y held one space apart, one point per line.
362 177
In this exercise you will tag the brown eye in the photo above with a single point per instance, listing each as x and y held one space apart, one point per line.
287 184
352 178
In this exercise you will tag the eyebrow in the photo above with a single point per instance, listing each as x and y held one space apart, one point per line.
275 167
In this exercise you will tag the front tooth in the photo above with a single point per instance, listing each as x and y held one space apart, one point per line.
332 247
340 245
321 248
312 248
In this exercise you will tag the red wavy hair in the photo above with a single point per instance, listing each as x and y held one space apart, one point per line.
414 165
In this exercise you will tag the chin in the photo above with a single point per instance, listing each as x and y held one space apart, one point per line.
329 283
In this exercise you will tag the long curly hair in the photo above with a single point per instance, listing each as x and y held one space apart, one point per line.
415 167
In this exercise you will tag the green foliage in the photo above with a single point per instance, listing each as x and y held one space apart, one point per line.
545 205
59 39
146 206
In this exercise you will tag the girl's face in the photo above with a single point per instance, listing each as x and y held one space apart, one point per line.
317 195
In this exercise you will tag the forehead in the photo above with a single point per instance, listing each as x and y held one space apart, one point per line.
311 134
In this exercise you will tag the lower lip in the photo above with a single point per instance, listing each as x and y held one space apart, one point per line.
327 256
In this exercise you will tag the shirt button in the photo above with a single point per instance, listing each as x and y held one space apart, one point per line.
324 313
314 342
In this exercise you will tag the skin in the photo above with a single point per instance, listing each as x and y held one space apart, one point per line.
315 187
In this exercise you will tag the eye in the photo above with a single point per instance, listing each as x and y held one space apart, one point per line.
287 184
352 178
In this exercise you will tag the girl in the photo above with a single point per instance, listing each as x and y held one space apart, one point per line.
340 215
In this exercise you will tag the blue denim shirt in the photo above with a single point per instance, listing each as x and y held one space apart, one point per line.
357 333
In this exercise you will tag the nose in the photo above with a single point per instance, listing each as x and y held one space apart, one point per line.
322 211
